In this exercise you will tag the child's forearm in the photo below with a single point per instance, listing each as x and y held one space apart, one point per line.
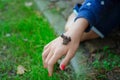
78 28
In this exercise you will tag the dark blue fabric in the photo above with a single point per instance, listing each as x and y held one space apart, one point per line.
103 16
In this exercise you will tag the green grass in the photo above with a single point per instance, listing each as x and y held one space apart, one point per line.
23 33
109 62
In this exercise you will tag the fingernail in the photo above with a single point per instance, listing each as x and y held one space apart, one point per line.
49 74
62 67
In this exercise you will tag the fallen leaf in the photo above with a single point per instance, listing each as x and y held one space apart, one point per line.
8 35
4 47
20 70
25 39
28 4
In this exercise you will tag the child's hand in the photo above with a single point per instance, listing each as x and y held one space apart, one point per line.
55 49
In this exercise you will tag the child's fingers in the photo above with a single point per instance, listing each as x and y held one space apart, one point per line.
44 55
48 58
57 55
47 46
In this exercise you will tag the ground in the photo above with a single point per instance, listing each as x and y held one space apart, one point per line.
23 33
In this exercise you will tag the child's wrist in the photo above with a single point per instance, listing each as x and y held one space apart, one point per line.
78 29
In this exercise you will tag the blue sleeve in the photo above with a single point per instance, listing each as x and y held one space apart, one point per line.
92 10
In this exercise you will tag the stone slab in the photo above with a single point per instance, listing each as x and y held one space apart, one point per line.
79 63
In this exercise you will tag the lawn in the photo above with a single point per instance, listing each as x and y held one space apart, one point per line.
107 66
23 33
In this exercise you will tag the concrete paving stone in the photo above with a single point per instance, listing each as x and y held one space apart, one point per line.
79 63
53 0
43 5
66 8
77 1
66 13
61 4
